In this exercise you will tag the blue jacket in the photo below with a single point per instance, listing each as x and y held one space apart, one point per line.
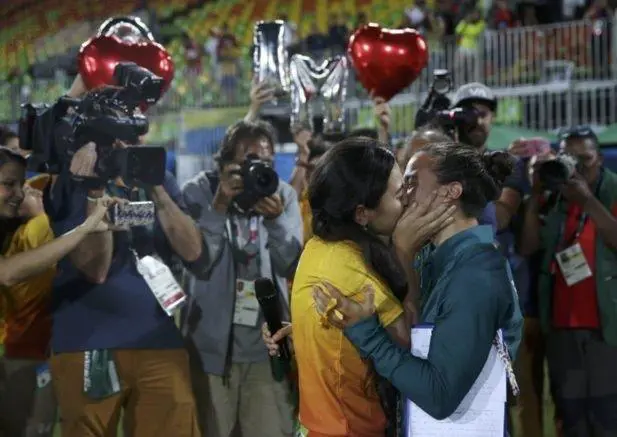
468 295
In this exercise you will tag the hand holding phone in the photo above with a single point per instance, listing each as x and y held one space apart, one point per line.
132 214
528 147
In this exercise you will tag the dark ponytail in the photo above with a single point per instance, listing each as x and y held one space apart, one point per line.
379 257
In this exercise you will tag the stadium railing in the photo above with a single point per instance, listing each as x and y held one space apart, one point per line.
546 77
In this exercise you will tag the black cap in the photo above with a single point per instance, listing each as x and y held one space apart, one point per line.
581 131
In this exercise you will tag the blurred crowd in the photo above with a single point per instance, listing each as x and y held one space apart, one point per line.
462 37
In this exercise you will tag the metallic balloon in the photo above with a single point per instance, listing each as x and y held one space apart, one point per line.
128 29
270 57
310 81
387 61
122 39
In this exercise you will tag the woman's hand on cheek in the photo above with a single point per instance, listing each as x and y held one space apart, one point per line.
420 222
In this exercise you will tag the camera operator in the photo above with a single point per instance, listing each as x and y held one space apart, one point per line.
577 281
27 269
232 376
108 323
480 99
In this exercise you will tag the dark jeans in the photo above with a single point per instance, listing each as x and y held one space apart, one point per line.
584 370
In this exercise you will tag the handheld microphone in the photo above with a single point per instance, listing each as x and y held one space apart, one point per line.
267 296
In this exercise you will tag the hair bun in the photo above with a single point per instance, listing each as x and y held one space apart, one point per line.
499 165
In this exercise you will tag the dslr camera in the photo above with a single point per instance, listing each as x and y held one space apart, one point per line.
558 171
554 173
54 133
259 180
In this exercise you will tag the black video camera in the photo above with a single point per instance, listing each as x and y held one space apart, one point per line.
436 108
259 180
103 116
456 119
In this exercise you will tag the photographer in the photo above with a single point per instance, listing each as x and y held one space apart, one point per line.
576 293
114 345
479 99
27 269
233 380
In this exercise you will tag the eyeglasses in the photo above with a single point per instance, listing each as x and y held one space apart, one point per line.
582 131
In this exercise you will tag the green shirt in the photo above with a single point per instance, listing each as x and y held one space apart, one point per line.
605 270
468 296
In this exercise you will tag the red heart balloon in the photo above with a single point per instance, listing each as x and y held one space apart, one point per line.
99 56
387 61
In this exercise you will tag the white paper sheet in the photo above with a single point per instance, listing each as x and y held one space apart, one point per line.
482 411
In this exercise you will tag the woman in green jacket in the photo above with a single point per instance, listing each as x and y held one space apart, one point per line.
465 285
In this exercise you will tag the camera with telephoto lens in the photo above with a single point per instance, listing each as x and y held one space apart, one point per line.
54 133
556 172
436 100
259 180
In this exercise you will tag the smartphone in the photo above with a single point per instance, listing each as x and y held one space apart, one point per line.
535 146
133 214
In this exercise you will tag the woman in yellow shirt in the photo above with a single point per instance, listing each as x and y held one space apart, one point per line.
27 261
468 35
357 196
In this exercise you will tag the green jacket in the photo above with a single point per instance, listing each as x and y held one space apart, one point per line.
469 297
605 269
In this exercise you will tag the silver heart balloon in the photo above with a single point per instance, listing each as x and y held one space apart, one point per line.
270 57
310 81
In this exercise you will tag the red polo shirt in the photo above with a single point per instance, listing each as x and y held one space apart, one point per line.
577 306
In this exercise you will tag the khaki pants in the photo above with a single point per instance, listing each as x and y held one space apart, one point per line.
155 395
249 399
27 401
530 373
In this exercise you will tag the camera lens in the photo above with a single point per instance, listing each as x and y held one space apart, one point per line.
265 179
441 85
553 173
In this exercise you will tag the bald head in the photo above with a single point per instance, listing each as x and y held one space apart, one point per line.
421 138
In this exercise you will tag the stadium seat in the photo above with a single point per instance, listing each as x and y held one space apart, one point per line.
33 39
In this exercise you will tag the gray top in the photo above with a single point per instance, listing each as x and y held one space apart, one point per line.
207 320
246 346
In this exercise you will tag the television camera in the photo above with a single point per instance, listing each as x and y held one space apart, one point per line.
437 109
105 116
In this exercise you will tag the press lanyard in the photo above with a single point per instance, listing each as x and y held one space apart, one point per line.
565 242
241 253
582 221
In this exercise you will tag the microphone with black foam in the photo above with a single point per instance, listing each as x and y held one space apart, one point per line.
267 296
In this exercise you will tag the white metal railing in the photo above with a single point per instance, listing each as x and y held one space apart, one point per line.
546 77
